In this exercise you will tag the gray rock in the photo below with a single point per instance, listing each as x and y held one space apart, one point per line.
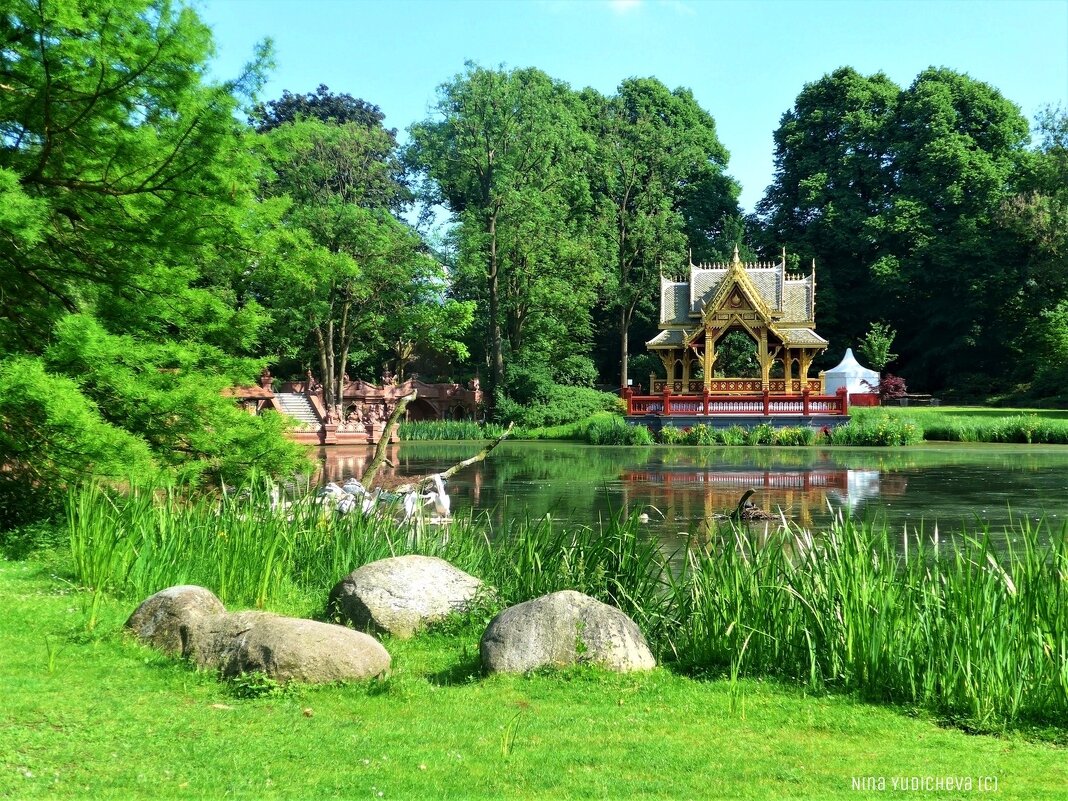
290 649
402 594
564 628
168 620
191 622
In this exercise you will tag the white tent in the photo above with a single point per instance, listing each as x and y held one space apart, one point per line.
850 374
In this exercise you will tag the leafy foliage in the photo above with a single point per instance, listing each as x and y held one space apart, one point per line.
52 437
660 185
127 206
561 405
876 344
505 154
348 284
901 193
736 356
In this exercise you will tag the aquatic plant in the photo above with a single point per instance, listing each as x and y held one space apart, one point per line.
957 625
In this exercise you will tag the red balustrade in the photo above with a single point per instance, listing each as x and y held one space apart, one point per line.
805 404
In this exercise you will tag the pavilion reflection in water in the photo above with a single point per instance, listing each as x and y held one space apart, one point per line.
805 496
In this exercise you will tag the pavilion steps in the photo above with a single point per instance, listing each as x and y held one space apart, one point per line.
297 406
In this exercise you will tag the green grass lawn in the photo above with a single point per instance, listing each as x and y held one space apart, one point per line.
983 412
96 715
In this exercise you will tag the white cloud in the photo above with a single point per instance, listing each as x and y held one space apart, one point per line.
623 6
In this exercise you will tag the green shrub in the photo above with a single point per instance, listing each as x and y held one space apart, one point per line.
448 429
794 436
701 434
528 384
575 371
733 435
563 405
877 429
762 434
669 435
615 431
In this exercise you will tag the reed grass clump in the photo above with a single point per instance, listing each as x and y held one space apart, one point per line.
1029 429
615 431
971 627
956 626
763 434
448 430
877 429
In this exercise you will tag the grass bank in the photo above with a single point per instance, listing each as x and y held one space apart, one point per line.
423 430
94 715
975 424
602 428
954 626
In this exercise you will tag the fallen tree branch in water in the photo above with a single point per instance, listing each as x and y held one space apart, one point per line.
379 458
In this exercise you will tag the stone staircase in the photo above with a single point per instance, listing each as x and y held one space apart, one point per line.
298 407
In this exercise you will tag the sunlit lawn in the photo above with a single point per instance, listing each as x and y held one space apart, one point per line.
95 715
921 412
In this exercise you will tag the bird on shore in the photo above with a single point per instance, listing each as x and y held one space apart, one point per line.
438 498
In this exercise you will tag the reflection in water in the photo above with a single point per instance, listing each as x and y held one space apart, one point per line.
957 485
801 496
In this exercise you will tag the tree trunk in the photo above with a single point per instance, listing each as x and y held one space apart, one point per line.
324 355
624 337
328 377
339 397
368 477
496 349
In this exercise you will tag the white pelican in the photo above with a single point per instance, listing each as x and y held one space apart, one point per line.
354 487
369 501
411 501
440 499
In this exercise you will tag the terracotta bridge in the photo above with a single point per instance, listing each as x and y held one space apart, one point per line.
365 408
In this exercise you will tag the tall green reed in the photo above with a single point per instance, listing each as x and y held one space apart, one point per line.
970 627
964 629
448 430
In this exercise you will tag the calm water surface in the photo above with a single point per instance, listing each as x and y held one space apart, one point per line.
955 485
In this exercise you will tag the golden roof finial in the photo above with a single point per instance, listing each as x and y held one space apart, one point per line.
737 259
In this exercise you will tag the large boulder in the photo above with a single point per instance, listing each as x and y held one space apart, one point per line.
564 628
168 620
290 649
191 622
402 594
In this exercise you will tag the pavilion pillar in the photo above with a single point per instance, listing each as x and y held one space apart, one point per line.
806 363
710 360
787 370
765 360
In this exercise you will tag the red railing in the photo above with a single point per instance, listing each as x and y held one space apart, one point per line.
737 386
708 405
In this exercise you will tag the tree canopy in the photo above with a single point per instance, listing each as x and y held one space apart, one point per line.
155 249
125 195
899 194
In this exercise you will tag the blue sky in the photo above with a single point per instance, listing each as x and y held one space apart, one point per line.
744 61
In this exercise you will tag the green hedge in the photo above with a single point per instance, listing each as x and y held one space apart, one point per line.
762 434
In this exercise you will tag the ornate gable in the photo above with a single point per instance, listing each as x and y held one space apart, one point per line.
738 294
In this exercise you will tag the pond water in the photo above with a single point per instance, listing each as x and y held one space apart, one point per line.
956 485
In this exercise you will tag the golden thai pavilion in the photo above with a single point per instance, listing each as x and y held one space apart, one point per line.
776 309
